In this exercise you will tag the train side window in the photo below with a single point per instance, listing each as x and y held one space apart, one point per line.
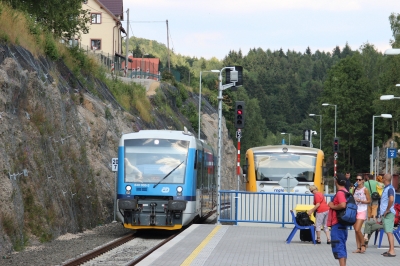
245 168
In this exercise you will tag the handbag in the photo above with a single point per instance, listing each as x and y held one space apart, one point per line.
374 195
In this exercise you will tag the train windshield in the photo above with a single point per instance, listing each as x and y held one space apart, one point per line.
274 166
150 160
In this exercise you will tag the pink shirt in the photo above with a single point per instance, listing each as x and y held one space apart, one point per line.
319 198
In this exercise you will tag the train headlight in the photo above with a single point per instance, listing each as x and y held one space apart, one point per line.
179 191
261 185
128 189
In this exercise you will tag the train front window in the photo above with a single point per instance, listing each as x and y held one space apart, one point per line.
274 166
150 160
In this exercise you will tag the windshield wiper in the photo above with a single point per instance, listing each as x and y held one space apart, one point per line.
168 174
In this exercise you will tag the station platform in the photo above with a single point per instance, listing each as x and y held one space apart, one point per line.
257 244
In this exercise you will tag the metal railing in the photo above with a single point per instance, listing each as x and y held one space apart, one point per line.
262 207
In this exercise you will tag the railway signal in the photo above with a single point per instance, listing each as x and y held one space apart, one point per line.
239 114
335 144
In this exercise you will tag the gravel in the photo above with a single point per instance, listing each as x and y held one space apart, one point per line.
66 246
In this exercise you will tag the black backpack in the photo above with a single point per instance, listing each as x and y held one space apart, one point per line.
303 219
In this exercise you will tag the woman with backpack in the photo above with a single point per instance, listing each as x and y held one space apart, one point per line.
321 219
362 198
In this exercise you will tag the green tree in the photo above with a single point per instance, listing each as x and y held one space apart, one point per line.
394 20
64 19
349 89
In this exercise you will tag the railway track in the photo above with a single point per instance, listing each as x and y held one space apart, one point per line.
119 243
129 249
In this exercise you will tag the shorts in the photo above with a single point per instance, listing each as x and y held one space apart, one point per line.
321 220
372 210
338 241
362 215
388 222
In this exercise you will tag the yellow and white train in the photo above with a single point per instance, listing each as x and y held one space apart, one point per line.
279 168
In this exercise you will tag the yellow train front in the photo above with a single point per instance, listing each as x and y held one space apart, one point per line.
165 179
271 168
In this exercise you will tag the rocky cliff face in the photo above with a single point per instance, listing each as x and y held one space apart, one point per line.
56 145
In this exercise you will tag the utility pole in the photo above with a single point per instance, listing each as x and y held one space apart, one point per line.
127 41
169 65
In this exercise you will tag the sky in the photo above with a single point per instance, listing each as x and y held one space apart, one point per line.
212 28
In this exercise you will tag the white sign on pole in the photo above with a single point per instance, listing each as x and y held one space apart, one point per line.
288 182
114 164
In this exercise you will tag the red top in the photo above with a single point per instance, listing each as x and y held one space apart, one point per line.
319 198
339 198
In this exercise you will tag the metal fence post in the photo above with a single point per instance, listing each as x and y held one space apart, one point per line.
236 208
283 212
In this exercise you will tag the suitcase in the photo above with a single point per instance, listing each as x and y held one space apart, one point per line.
305 235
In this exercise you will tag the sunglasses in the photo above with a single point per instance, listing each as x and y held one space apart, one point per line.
312 190
359 179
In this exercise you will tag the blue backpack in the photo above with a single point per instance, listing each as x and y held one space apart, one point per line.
348 215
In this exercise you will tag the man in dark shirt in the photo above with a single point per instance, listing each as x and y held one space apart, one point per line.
347 186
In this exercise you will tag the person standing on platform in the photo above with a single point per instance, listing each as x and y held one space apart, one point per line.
338 231
371 185
387 212
362 198
347 186
321 218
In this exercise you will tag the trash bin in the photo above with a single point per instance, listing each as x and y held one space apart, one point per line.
304 208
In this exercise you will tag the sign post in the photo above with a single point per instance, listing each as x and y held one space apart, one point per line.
288 182
114 168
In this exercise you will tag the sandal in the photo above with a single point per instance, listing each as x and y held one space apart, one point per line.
328 241
318 241
357 251
365 249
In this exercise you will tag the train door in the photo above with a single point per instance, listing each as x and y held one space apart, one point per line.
199 179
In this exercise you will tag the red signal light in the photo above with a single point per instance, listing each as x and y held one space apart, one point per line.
239 112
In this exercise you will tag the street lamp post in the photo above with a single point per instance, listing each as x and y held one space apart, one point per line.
372 148
320 129
335 155
284 133
215 71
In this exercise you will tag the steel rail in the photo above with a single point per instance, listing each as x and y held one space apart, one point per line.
99 251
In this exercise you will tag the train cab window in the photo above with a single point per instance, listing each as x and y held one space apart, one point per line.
150 160
274 166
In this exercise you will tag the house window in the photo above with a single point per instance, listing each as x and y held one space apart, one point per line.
95 44
74 42
96 18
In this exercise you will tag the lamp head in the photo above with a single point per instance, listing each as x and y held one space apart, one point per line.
311 114
283 133
386 115
392 52
386 97
325 104
215 71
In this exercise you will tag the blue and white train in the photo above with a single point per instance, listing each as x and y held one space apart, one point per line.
165 179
